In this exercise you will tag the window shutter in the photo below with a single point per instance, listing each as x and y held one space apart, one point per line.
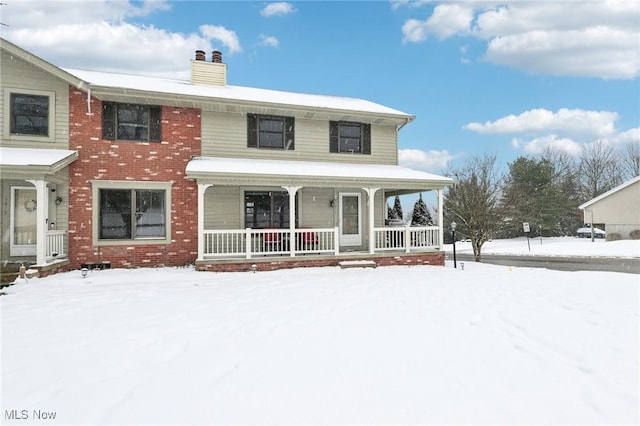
333 136
366 138
155 124
252 131
289 133
108 120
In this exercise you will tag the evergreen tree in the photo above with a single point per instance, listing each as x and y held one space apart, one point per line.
390 212
533 194
421 215
397 209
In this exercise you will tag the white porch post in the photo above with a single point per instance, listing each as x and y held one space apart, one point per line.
202 188
440 219
371 192
42 210
292 217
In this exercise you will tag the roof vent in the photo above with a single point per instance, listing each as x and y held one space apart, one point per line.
212 73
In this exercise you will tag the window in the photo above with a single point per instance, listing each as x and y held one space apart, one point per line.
132 214
131 122
264 209
29 114
352 138
267 131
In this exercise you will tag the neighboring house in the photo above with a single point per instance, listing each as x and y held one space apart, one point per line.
34 159
618 209
153 171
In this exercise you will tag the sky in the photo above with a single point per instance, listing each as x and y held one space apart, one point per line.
507 78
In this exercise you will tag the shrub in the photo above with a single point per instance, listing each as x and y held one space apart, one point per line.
635 234
614 236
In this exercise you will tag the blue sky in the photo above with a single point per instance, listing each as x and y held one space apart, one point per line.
504 78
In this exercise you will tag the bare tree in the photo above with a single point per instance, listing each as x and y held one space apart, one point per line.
631 160
599 170
473 201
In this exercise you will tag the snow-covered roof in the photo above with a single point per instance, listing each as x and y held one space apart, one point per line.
610 192
232 93
283 172
35 159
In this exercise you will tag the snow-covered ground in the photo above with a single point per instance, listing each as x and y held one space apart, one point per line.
559 246
404 345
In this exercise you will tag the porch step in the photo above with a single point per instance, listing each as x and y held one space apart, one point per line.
357 264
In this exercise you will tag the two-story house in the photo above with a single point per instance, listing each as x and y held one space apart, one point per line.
168 172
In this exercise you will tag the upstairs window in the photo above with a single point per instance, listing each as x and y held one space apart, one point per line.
268 131
131 122
351 138
29 114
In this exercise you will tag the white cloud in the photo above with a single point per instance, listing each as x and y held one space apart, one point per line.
277 9
575 122
396 4
446 20
227 37
431 161
587 39
631 135
268 41
539 145
97 35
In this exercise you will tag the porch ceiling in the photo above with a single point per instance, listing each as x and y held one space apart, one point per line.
242 171
34 161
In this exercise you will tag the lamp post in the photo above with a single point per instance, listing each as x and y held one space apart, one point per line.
453 234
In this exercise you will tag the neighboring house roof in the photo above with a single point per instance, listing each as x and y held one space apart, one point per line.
232 93
35 160
281 172
610 192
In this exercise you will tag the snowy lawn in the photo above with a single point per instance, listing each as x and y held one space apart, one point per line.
556 246
403 345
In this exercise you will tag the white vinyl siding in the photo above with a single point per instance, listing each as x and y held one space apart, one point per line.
225 135
20 77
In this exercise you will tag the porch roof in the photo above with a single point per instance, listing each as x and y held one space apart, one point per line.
35 161
244 171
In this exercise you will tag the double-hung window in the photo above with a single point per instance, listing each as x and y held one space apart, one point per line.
348 137
269 131
132 212
30 114
131 122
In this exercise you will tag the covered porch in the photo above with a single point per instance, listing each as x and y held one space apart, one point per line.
250 210
34 186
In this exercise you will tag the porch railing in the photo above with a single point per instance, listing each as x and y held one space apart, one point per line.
55 247
249 242
406 238
225 243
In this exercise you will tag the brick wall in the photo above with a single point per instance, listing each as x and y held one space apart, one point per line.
100 159
275 263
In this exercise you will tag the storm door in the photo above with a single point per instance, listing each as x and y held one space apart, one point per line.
23 221
350 219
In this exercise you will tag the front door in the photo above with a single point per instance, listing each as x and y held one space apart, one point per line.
350 219
23 221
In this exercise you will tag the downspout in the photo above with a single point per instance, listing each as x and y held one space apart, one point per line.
89 100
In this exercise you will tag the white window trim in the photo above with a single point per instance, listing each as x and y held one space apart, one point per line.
7 116
97 185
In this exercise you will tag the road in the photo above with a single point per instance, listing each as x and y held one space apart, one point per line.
559 263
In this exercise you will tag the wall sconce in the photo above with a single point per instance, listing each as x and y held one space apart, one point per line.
332 202
58 200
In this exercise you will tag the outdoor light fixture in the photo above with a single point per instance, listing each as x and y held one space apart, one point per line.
58 200
84 272
453 234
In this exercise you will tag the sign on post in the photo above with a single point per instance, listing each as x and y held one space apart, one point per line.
526 228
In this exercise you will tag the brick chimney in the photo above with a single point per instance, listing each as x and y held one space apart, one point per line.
212 73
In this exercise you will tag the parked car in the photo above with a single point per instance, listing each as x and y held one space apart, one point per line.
586 233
